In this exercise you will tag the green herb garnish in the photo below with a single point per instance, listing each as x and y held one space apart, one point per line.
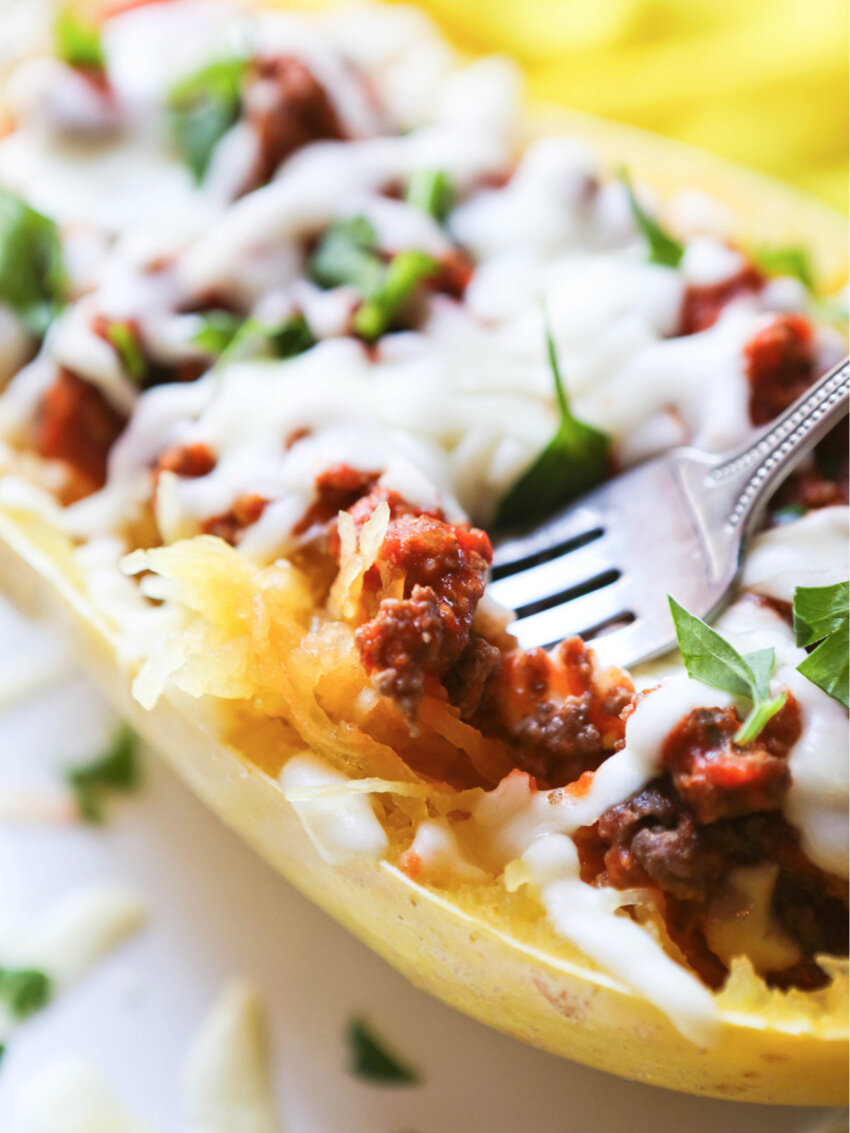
403 273
370 1059
785 261
203 106
24 990
573 462
347 256
77 40
431 191
32 271
664 249
123 337
116 769
272 341
821 619
711 659
218 330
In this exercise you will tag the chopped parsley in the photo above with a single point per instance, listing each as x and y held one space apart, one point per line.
24 990
664 249
124 338
711 659
787 260
77 39
573 461
32 271
370 1059
256 339
115 769
218 329
347 256
821 620
431 191
403 273
203 106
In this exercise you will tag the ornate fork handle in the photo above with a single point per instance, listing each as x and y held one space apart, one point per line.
756 472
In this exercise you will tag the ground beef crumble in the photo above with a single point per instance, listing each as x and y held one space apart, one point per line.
288 108
702 305
426 632
77 424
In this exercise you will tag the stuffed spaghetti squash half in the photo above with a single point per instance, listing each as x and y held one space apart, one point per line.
294 318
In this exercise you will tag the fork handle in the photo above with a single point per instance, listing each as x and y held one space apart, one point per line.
754 473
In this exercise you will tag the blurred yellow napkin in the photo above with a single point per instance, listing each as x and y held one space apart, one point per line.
762 82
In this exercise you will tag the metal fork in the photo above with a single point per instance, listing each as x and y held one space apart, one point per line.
603 567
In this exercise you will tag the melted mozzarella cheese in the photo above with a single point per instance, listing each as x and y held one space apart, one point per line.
587 917
811 551
343 827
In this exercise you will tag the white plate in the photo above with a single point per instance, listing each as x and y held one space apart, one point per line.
218 911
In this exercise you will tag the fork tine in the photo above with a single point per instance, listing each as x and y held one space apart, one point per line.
575 617
552 581
573 524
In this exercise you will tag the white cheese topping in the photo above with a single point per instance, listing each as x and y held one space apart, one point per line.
587 916
342 827
812 551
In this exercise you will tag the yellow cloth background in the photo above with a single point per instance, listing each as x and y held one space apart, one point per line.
761 82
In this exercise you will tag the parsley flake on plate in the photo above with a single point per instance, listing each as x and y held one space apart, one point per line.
115 769
24 990
821 619
370 1059
711 659
573 462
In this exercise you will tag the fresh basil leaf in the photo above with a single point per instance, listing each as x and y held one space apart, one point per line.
258 340
202 108
123 337
77 40
347 256
24 990
218 329
403 273
371 1060
819 611
664 249
116 769
711 659
32 270
785 261
822 614
571 463
431 191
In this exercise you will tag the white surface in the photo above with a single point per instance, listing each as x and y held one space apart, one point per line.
217 911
